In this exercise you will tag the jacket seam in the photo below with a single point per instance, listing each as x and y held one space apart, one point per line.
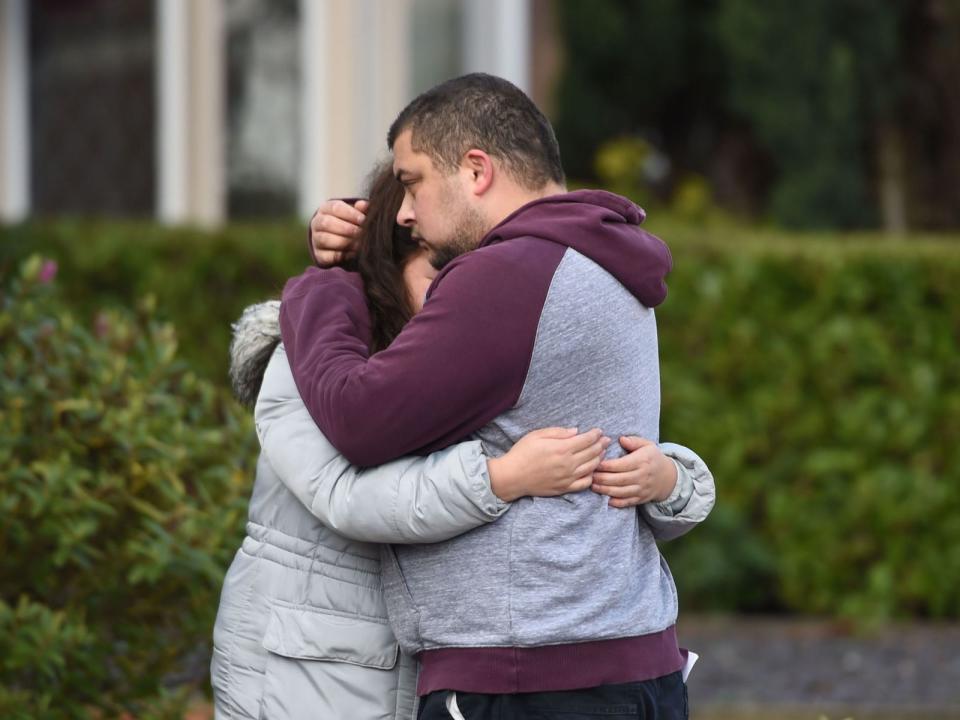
312 563
318 610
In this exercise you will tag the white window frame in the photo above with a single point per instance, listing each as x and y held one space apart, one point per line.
15 198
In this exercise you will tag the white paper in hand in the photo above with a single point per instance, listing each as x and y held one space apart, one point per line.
692 658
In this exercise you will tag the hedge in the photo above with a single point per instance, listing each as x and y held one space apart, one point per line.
124 479
816 374
199 280
819 375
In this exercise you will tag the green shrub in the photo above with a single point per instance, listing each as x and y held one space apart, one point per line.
201 280
820 380
815 373
123 486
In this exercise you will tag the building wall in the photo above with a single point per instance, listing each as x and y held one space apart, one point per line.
195 112
14 124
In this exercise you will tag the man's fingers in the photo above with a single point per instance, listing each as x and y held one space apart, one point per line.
362 205
624 502
326 241
330 225
327 258
354 214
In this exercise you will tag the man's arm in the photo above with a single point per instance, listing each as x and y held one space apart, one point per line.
457 365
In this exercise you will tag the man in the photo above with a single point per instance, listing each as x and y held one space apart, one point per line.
540 315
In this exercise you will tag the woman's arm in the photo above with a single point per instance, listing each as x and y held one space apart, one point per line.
412 499
691 501
672 485
409 500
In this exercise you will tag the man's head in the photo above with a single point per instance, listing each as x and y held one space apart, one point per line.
469 152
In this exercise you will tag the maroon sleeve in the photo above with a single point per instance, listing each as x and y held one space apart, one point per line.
457 365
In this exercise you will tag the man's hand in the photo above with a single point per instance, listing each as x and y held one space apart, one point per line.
643 475
334 228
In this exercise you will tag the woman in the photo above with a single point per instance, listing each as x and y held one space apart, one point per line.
302 628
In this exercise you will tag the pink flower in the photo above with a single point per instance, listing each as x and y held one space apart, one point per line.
48 271
101 325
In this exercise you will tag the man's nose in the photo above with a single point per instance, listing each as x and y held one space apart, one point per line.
405 216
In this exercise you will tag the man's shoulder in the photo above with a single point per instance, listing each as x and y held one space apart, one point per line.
515 258
518 248
501 277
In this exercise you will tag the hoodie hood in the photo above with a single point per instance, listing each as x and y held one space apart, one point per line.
601 226
255 336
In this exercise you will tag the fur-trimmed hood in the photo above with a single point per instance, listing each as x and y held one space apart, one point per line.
255 336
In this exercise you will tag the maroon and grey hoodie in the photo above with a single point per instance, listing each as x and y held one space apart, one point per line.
547 323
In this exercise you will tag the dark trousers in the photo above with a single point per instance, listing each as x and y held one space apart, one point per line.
664 698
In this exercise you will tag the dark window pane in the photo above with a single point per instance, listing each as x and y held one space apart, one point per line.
263 105
93 106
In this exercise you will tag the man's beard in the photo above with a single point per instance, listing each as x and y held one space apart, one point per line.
443 255
466 236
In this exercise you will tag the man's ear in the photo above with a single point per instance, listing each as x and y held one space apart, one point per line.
480 167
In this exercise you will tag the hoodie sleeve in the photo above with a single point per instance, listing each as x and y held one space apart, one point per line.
410 500
457 365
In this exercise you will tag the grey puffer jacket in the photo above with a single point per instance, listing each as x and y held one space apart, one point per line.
302 627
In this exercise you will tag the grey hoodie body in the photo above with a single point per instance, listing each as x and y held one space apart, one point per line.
302 628
554 570
548 323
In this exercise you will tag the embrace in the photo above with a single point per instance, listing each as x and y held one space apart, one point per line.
430 534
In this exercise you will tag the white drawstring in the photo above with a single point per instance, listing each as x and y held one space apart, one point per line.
453 708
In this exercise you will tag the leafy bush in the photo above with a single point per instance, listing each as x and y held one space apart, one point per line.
820 380
123 487
842 58
201 280
815 373
808 113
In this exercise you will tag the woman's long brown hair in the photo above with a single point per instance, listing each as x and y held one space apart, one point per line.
383 250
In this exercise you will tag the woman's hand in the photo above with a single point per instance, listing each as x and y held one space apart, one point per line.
548 462
334 228
643 475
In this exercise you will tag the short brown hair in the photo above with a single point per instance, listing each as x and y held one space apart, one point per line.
488 113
